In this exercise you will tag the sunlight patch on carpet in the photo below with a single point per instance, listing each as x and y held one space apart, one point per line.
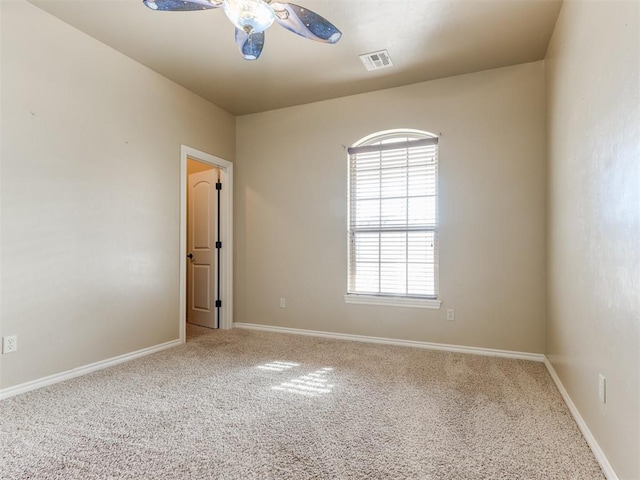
278 366
311 384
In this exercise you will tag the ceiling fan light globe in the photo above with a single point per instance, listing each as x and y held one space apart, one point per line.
251 16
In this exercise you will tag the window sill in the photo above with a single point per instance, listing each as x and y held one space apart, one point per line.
392 301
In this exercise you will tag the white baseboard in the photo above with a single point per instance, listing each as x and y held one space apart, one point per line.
536 357
607 469
76 372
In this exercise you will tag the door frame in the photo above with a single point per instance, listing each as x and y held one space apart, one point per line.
226 236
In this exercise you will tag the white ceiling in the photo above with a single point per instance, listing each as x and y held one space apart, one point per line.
427 39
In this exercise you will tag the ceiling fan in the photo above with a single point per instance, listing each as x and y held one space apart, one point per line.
252 17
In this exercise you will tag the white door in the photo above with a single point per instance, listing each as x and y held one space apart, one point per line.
202 224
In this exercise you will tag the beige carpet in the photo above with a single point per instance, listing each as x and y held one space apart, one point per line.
241 404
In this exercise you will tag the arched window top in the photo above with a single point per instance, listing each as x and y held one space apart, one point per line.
392 136
393 139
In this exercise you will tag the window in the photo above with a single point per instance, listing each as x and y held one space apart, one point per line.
393 228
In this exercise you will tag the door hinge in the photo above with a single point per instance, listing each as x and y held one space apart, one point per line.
218 244
218 186
218 303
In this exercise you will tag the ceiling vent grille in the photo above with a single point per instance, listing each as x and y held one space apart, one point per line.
376 60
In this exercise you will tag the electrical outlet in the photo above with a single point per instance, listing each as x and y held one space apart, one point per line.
283 303
451 314
9 343
602 388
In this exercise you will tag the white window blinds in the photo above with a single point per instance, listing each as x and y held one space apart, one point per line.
393 231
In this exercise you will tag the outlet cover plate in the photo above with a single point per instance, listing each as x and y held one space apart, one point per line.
9 344
602 388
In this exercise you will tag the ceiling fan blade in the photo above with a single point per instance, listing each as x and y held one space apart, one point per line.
305 22
250 44
181 5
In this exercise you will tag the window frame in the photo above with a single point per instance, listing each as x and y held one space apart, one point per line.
390 299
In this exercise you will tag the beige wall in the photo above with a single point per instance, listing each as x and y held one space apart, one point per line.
290 204
90 195
593 85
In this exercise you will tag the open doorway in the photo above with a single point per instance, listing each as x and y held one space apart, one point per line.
205 241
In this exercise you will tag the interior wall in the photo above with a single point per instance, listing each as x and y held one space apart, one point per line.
90 195
593 85
291 210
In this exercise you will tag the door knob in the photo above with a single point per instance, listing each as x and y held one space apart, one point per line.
190 256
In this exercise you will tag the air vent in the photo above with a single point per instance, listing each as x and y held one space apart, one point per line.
376 60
